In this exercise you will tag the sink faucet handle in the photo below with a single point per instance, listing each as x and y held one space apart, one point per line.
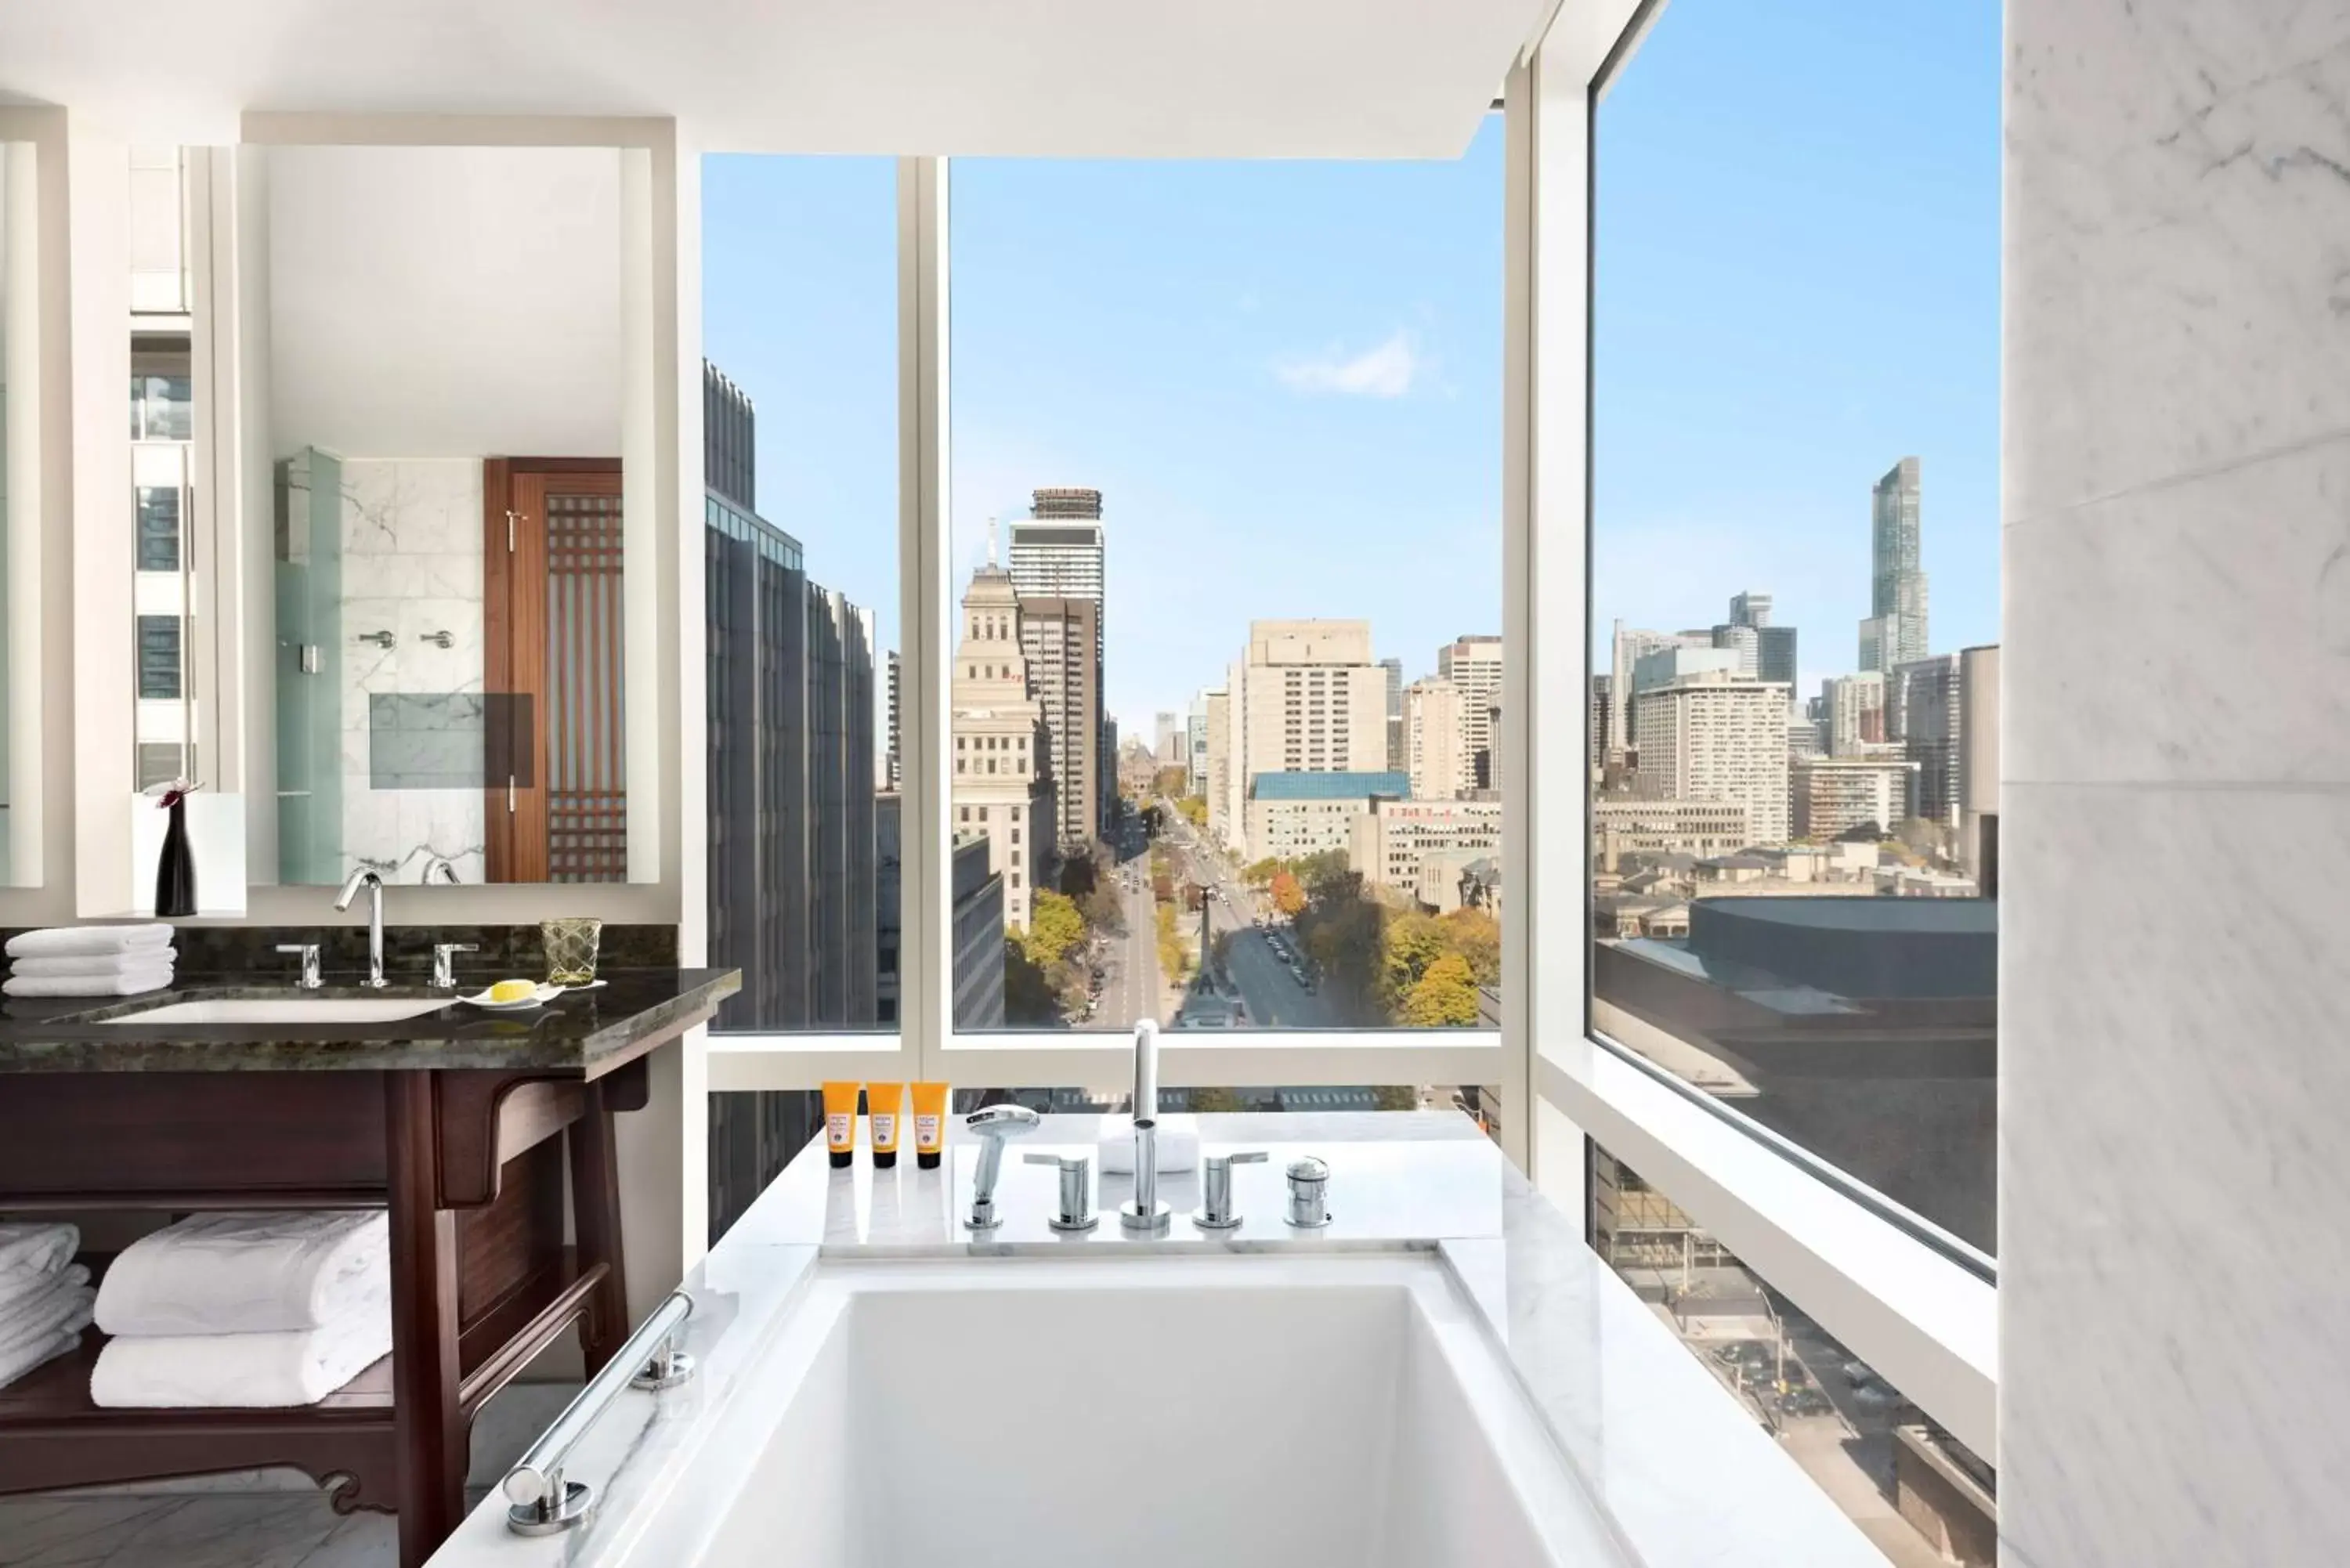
309 955
444 962
1215 1211
1076 1209
992 1127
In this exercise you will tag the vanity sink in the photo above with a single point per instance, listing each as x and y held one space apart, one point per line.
290 1010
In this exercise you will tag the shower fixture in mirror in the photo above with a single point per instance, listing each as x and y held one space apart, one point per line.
20 620
457 514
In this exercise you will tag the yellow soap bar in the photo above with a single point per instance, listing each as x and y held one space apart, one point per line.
514 990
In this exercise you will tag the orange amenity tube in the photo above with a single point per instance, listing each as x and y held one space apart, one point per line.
930 1123
883 1102
840 1121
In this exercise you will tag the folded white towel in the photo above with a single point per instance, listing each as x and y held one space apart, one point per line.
252 1371
124 983
44 1311
248 1272
15 1363
81 941
1179 1145
42 1249
96 963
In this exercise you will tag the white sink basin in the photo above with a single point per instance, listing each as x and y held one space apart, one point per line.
290 1010
1237 1412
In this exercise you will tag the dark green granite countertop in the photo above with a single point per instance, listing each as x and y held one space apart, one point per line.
582 1031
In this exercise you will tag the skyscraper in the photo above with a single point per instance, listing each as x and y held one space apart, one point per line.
1057 637
1714 735
1436 755
1774 653
1003 781
1925 709
894 767
1894 631
1167 738
1058 552
1750 608
1628 648
1397 761
1474 665
1855 706
1195 745
1309 700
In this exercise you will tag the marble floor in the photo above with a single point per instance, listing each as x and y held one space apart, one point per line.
271 1519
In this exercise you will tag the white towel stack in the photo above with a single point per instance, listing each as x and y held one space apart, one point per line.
45 1296
270 1309
91 961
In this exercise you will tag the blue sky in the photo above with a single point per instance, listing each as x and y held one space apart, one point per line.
1285 377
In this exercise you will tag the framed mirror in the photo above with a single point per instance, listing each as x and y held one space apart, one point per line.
441 366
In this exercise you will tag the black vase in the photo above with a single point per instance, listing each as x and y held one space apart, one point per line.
175 871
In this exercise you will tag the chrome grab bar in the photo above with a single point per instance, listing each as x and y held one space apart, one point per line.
542 1502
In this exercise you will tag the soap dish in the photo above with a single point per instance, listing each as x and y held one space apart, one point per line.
544 994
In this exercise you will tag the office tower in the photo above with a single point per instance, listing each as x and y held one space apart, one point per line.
1662 665
1894 631
1227 812
1598 737
1714 735
1925 702
1774 655
1057 637
894 766
1436 754
1750 608
1855 709
1313 700
1977 767
1166 739
1195 746
792 837
1003 782
1630 647
1474 665
1835 794
1058 552
1744 641
1396 760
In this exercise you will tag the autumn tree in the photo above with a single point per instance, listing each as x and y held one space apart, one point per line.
1054 927
1477 937
1444 998
1288 897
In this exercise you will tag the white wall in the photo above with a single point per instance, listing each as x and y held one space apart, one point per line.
2174 1197
445 301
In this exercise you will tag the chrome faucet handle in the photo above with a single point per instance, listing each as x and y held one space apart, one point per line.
1215 1211
1309 1193
1076 1210
444 962
992 1127
309 955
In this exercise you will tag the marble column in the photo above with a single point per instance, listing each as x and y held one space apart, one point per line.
2175 994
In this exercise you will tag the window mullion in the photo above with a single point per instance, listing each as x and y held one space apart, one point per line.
927 948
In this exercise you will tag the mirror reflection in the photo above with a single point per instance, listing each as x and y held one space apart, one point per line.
19 592
454 533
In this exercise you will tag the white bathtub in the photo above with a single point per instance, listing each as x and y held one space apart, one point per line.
1170 1412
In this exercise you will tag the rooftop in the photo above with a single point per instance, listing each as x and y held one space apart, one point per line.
1328 786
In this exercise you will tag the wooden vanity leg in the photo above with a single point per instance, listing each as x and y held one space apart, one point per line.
596 1222
428 1422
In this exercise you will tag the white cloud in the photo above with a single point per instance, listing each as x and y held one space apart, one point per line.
1385 371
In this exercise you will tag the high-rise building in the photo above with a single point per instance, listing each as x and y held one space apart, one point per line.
1715 735
1630 647
1166 739
1894 631
1195 745
1746 642
1217 764
1662 665
1003 781
1436 755
1307 698
1750 608
793 838
1855 707
1397 760
1977 767
894 764
1057 635
1925 709
1058 552
1774 656
1602 739
1474 665
1386 843
1837 794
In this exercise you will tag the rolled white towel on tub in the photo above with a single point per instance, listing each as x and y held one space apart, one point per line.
250 1371
242 1272
85 941
1179 1145
96 964
121 982
42 1249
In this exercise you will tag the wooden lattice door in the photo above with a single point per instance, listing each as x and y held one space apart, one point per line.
558 790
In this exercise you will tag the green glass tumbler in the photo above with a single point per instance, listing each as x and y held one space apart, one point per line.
571 949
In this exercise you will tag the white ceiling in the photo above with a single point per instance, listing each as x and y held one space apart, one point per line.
1370 78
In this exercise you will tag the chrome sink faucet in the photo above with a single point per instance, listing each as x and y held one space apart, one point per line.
992 1127
365 877
1144 1211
